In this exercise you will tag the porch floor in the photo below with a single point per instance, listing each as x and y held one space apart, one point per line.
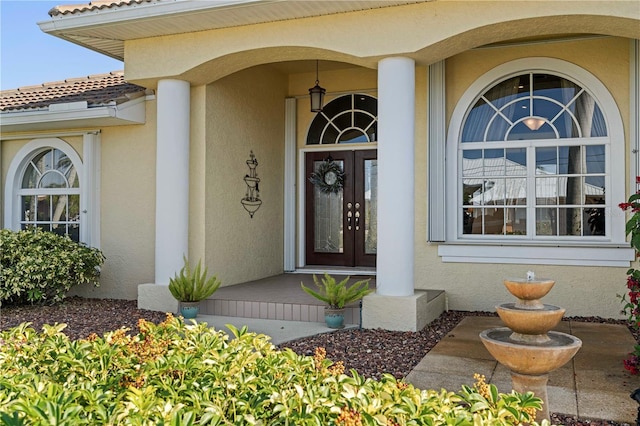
280 297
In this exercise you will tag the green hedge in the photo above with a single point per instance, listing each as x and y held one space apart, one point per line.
185 374
41 267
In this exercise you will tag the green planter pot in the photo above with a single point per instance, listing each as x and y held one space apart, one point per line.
334 318
189 310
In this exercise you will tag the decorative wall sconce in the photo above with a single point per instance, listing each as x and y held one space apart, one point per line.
316 94
252 202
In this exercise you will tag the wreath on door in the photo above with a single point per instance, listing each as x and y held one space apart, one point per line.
328 178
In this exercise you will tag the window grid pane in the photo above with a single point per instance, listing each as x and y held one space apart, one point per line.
489 190
578 183
49 195
348 114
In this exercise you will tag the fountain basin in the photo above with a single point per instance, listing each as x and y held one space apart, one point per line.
520 321
529 292
530 358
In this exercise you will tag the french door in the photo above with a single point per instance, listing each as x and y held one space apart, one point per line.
341 223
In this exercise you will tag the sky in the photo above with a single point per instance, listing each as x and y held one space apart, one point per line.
29 56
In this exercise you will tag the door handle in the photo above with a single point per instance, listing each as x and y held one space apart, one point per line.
349 215
357 220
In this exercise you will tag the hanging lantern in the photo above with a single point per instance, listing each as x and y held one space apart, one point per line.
316 94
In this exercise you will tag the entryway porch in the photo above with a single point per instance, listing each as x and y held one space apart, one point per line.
280 297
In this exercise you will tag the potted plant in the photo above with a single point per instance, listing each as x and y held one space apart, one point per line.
336 295
189 287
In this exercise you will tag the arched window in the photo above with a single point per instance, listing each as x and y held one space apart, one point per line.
50 194
532 160
535 157
49 186
346 119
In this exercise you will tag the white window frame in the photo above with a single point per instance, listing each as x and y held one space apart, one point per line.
89 179
612 250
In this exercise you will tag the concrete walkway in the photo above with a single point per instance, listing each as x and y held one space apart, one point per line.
593 385
279 330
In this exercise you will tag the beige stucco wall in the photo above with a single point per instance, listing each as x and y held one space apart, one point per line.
244 113
127 208
426 32
581 290
127 203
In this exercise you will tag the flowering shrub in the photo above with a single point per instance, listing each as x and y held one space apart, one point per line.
632 304
178 374
41 267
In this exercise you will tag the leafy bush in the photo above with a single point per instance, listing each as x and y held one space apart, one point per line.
41 267
632 306
185 374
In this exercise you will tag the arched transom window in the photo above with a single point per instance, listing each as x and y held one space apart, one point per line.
533 162
50 194
346 119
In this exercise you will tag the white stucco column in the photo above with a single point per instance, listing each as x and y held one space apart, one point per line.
396 123
395 305
172 178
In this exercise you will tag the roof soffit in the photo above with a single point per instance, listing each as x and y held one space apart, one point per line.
105 26
131 112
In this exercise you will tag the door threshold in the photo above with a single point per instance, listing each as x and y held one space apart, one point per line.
335 270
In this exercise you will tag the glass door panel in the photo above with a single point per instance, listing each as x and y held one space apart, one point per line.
366 200
371 206
328 219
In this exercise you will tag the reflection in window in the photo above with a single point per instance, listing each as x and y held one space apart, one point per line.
328 214
50 194
533 161
534 106
347 119
371 206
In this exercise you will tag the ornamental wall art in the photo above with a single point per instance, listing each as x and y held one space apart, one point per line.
251 201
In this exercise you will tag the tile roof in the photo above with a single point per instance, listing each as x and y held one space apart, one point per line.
93 6
96 90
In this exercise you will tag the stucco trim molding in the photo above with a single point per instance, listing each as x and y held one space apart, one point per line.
634 110
570 256
290 185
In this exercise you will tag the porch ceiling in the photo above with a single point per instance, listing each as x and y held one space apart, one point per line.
105 26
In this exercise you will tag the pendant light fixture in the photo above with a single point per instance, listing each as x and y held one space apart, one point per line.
533 123
316 94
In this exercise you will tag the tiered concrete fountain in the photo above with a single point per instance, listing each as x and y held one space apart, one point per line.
526 346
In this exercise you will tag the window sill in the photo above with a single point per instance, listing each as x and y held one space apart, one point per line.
615 255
